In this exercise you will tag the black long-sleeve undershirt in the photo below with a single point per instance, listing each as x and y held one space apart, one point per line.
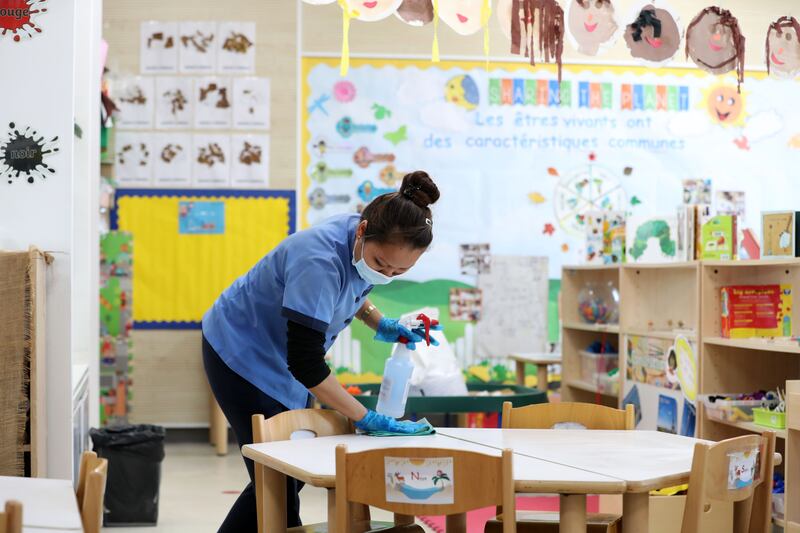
306 354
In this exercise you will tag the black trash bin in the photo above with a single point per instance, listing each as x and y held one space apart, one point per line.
134 454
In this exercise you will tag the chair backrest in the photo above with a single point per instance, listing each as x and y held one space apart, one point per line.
441 482
11 518
91 490
736 470
320 422
547 415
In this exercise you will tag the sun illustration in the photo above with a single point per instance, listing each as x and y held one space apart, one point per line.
725 105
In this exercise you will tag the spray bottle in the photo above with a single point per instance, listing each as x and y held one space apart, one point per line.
399 367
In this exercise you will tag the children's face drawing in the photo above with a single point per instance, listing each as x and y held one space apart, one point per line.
372 10
591 23
784 52
415 12
653 44
711 45
464 16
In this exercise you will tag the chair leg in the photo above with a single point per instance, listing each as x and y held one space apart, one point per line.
456 523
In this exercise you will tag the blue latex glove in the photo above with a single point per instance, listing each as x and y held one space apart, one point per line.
373 421
421 333
390 330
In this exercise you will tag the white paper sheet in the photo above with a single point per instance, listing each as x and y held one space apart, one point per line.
172 159
158 47
250 161
197 47
236 52
212 103
211 161
133 159
251 103
134 98
174 101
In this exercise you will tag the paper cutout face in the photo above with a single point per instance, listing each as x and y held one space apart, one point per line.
372 10
783 48
415 12
591 23
464 16
711 41
654 35
725 104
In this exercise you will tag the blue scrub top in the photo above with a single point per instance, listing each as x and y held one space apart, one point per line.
308 278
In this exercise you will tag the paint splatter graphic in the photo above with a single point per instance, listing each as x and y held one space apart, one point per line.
250 154
177 101
15 16
22 154
160 37
170 152
238 43
221 92
128 152
211 154
198 40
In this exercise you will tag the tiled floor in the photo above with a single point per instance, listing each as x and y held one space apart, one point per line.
198 488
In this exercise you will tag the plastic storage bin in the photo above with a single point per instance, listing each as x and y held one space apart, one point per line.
730 410
597 364
770 419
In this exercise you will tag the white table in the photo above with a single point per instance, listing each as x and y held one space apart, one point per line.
313 461
644 460
47 504
541 360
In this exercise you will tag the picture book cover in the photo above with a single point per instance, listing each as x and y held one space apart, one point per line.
614 238
779 234
595 221
718 238
686 232
756 311
633 398
667 414
650 239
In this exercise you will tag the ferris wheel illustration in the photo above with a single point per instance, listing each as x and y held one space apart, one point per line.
587 188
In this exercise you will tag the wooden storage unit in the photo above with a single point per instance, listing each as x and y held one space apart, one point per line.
792 461
576 334
658 303
742 365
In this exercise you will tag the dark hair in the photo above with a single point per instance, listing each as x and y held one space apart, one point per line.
729 21
647 17
778 27
403 217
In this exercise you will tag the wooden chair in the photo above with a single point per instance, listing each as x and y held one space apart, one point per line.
710 482
11 518
478 481
91 490
315 423
545 416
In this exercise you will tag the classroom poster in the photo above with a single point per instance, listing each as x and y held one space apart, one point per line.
520 160
172 159
250 161
251 103
174 102
236 52
197 47
134 98
133 160
158 47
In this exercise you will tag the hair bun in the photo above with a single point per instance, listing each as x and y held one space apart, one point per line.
418 187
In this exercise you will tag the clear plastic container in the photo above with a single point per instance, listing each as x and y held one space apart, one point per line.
730 410
606 383
596 364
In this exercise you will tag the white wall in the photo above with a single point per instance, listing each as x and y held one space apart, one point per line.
41 90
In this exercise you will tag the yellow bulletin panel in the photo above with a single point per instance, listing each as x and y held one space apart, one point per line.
191 245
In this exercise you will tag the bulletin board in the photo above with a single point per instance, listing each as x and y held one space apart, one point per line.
180 236
520 160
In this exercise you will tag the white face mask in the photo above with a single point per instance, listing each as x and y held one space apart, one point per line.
367 273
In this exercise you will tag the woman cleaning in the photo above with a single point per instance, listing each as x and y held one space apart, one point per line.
265 338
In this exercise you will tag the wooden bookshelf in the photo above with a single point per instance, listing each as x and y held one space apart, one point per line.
576 334
792 457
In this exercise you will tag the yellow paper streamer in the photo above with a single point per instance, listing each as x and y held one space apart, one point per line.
486 12
435 51
344 65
